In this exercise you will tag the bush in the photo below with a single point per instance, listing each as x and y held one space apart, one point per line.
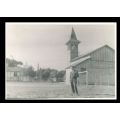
60 76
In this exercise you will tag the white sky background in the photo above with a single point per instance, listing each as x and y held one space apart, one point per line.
45 43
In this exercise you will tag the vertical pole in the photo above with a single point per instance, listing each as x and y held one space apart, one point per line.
86 78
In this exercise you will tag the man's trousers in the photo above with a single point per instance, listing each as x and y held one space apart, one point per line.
74 86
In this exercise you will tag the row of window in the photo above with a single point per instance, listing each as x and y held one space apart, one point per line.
15 74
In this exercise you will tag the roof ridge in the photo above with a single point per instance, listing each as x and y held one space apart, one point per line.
83 55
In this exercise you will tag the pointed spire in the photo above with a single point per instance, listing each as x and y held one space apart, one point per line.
73 35
73 38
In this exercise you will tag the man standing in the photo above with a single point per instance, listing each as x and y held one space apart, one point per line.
73 78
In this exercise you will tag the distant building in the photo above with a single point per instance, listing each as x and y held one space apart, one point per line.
15 74
95 67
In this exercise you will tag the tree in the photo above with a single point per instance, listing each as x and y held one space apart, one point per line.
60 76
53 73
13 63
29 71
50 75
45 74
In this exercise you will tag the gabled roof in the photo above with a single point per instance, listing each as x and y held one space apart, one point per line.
83 55
78 61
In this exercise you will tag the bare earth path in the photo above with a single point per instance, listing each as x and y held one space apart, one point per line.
38 90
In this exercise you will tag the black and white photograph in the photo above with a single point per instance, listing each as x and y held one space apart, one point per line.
60 60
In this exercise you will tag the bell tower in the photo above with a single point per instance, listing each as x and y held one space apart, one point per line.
73 45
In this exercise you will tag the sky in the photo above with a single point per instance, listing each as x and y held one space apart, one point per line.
44 43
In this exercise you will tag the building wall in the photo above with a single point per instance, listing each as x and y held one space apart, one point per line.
11 75
85 66
103 54
68 71
100 67
101 76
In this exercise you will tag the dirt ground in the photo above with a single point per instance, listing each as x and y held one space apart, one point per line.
38 90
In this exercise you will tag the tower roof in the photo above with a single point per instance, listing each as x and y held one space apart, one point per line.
73 35
73 38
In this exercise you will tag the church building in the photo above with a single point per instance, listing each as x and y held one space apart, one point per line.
96 67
